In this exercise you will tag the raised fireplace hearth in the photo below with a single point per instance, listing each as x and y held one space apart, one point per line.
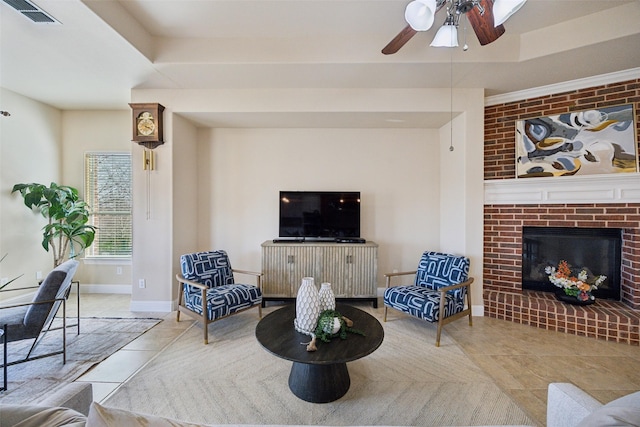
504 297
594 250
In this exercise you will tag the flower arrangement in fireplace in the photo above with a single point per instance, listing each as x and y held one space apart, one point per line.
579 286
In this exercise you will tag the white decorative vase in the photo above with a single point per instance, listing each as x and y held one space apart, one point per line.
327 298
307 307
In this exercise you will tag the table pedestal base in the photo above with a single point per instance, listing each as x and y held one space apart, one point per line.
319 383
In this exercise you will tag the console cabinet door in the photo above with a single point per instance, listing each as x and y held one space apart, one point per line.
360 271
351 270
334 262
302 262
285 266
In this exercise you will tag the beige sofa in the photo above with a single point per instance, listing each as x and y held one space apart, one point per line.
567 406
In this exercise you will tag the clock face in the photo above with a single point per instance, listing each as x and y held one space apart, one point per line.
146 124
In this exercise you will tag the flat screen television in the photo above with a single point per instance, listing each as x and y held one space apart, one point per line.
319 214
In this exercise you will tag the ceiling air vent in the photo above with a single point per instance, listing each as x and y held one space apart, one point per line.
31 11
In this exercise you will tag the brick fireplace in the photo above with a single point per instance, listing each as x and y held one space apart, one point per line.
592 202
503 294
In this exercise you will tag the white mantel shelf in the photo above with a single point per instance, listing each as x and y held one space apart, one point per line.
618 188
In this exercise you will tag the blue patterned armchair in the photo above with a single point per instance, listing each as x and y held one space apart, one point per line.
208 292
439 292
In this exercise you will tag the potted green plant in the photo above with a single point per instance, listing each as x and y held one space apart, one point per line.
67 231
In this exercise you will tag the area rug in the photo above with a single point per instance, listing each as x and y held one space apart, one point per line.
233 380
32 381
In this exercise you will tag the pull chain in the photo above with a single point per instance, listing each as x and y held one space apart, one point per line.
451 101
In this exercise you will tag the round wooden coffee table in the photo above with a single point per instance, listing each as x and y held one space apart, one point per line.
320 376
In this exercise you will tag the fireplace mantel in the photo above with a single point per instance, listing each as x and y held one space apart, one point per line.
618 188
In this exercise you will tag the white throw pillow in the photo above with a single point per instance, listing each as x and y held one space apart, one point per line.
39 416
624 411
101 416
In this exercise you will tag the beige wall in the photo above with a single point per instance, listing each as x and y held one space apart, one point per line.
55 152
407 205
30 150
186 192
153 228
82 132
217 188
461 186
242 171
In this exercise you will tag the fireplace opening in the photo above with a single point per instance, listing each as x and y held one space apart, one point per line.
598 250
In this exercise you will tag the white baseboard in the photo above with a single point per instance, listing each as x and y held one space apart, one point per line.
477 310
153 306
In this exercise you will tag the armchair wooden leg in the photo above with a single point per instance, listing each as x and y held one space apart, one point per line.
438 334
469 305
387 284
205 320
259 286
180 295
443 298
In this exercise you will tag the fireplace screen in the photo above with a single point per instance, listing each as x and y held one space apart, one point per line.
596 250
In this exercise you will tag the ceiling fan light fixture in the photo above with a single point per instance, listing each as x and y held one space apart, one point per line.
504 9
420 14
447 35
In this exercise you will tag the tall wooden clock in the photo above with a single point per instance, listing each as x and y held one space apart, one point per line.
147 124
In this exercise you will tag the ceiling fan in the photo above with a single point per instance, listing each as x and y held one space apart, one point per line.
485 16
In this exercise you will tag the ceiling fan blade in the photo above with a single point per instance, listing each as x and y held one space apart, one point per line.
405 35
483 24
398 41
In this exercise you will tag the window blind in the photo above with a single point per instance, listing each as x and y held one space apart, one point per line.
108 193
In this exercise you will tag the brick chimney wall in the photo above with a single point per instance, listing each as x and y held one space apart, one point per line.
503 294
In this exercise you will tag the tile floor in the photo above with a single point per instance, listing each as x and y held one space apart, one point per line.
108 375
521 359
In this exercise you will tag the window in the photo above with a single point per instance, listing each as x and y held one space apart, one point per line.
108 193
